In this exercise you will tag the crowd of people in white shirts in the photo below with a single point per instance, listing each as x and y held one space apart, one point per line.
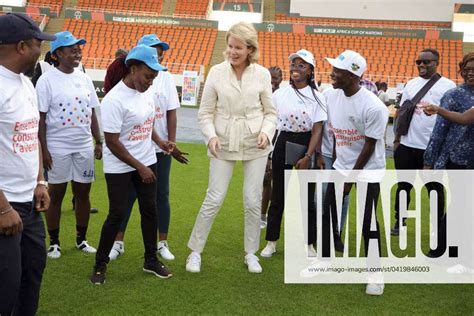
56 127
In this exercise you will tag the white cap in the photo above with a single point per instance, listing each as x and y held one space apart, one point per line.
307 56
350 61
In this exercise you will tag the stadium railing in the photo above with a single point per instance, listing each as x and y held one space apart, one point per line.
175 68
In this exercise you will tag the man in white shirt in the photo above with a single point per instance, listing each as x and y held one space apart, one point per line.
357 119
23 191
410 148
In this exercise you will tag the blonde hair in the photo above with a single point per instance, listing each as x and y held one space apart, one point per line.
246 33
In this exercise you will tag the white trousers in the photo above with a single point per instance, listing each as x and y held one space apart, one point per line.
220 173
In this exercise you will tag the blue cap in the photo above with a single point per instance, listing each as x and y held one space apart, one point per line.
152 40
147 55
65 39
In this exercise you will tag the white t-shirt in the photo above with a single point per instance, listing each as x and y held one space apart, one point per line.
19 120
351 119
67 100
296 113
421 124
166 99
130 113
327 143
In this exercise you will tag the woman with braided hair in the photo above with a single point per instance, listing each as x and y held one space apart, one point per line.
301 113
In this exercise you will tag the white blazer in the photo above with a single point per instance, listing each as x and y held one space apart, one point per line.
237 112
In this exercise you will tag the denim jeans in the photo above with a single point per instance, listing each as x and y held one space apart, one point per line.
22 262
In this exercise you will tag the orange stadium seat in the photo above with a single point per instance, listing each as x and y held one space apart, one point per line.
53 5
189 45
387 58
38 18
197 8
282 18
152 7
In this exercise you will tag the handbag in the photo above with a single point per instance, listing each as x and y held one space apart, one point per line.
405 113
294 152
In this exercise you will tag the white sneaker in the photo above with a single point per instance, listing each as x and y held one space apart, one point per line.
263 222
54 252
460 269
193 263
374 289
85 247
117 250
269 249
311 251
164 251
251 261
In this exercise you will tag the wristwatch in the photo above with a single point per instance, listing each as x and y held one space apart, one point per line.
42 182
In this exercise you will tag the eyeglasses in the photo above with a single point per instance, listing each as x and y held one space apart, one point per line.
424 62
298 66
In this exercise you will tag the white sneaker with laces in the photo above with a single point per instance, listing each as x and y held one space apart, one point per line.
374 289
54 252
85 247
117 250
459 269
193 263
251 261
269 249
164 250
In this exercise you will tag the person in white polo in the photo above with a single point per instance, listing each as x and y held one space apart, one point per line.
410 148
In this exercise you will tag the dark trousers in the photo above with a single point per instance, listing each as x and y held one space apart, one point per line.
163 167
330 217
118 191
275 212
22 262
408 158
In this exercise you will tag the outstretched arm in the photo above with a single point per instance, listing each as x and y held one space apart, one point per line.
459 118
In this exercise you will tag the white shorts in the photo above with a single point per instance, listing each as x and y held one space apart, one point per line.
78 167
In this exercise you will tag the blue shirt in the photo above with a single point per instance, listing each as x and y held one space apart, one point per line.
451 141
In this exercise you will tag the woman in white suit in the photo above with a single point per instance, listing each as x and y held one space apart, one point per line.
238 120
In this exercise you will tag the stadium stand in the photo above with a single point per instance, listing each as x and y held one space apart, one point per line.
190 45
389 59
192 8
130 7
238 5
41 19
54 5
282 18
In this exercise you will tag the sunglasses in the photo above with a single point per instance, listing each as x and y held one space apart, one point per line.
424 62
298 66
